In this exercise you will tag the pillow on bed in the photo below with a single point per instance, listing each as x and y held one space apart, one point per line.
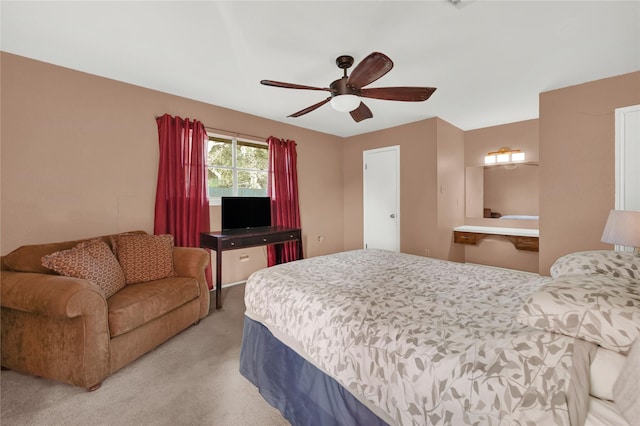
605 367
598 262
598 308
626 390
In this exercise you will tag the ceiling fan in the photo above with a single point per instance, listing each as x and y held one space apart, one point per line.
347 91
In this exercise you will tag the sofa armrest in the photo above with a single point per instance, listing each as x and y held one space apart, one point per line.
54 327
50 295
192 262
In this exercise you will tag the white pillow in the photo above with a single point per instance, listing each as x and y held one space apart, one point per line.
605 368
604 413
626 390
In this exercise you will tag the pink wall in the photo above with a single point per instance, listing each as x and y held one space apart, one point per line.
417 143
521 135
498 251
79 159
431 186
577 165
450 190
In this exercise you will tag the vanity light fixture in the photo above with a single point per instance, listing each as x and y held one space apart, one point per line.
504 156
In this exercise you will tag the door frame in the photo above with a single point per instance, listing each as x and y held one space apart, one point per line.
625 199
395 148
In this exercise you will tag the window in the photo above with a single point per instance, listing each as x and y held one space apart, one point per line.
236 168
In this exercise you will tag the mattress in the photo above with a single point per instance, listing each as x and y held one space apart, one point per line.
520 217
424 341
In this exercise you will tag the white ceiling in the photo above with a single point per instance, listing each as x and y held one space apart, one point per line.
489 60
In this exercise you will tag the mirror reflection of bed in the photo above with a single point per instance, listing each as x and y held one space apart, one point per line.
502 196
510 191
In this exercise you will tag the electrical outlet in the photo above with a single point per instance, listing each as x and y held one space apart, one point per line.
427 252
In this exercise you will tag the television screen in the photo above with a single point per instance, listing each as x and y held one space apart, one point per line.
245 212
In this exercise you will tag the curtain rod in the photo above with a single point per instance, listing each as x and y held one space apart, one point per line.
235 133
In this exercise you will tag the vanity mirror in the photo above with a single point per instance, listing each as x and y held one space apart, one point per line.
503 191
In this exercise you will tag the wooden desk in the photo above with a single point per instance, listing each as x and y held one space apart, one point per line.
521 238
232 239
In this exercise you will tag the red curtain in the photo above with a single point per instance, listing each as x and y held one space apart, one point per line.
182 206
282 187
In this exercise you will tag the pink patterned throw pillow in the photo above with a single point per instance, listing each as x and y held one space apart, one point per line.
91 260
144 257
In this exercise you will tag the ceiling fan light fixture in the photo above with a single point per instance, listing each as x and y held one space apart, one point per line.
345 103
347 91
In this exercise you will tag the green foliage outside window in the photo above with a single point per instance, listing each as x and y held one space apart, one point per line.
242 174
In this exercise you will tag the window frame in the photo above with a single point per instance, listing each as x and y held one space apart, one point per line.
216 201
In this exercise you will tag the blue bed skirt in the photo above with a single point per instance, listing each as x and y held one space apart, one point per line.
303 393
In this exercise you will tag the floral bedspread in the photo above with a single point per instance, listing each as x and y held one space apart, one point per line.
425 341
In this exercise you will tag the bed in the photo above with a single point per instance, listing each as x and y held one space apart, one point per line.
520 217
377 337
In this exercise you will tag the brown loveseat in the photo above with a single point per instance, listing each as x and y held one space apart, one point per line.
65 328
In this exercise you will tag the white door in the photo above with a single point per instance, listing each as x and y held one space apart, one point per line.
381 198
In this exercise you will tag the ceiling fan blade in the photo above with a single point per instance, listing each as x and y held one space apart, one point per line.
408 94
370 69
292 86
310 108
361 113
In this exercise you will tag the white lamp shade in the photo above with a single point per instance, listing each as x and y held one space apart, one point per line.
622 228
345 103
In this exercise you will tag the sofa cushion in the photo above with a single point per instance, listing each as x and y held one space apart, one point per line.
137 304
91 260
144 257
28 258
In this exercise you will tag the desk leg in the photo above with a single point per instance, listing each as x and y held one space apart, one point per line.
219 278
278 248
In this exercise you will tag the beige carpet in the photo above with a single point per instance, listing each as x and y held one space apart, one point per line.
192 379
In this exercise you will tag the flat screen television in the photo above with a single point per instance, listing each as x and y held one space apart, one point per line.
245 212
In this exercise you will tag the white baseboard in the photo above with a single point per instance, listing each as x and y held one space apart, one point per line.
229 285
